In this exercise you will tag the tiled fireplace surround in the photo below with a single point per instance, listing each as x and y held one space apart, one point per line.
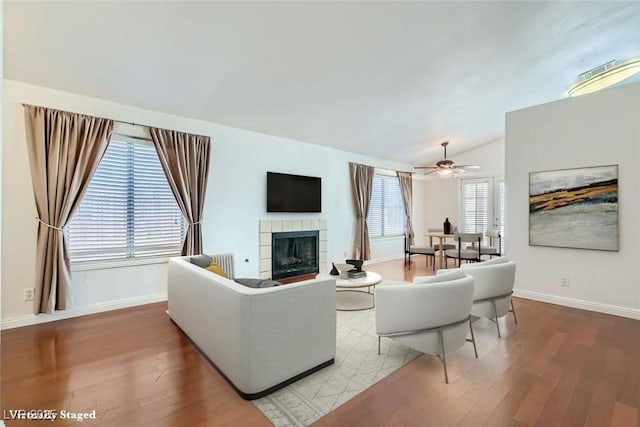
268 226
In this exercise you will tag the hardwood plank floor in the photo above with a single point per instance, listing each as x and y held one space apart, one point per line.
558 367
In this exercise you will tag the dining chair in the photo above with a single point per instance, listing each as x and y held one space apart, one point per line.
464 252
492 249
427 251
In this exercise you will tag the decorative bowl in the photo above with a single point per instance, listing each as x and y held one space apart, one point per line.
357 263
344 267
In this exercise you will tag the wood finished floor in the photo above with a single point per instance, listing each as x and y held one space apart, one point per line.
557 367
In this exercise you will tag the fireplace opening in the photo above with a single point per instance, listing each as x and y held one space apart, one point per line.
294 254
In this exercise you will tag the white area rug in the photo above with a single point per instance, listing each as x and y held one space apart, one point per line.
357 367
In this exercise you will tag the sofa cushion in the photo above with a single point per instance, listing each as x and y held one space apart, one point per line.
215 268
257 283
202 260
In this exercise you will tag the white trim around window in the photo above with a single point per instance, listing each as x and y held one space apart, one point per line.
128 215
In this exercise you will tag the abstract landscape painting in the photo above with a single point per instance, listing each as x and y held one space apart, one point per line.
574 208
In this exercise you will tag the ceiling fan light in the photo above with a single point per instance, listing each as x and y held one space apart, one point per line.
611 75
446 167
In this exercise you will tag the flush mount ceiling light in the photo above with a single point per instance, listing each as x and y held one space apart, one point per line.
604 76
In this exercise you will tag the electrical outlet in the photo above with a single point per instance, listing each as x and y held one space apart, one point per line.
28 294
564 281
345 254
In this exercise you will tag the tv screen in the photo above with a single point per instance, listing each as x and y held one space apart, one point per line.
293 193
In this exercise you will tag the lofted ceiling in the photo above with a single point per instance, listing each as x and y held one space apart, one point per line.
389 79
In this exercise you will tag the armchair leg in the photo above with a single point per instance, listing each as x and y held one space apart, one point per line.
495 312
473 338
444 359
513 311
378 344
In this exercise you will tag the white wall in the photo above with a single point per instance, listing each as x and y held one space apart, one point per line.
235 202
1 145
442 194
598 129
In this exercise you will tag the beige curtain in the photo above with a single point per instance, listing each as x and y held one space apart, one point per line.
361 185
64 152
185 160
406 188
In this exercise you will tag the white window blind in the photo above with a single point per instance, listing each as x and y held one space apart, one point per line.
475 206
386 211
128 210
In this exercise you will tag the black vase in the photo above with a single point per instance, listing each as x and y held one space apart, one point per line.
447 226
334 271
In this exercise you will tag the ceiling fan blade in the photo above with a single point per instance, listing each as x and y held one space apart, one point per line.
446 167
430 172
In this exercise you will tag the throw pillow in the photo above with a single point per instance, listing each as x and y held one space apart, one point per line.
215 268
257 283
201 260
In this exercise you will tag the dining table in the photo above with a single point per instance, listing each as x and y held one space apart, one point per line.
443 237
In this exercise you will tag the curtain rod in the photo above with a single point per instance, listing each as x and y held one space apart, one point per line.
140 138
129 123
392 171
85 114
149 126
24 104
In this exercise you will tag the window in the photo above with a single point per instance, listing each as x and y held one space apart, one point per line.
128 210
500 209
475 205
386 211
482 206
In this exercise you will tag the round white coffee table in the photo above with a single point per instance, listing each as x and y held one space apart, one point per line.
356 285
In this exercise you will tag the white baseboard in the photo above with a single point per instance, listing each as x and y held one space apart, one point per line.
81 311
578 303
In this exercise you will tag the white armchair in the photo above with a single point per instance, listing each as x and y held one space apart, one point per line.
430 316
494 281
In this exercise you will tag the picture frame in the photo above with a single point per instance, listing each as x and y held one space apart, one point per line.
574 208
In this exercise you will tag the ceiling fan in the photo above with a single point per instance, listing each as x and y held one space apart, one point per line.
446 166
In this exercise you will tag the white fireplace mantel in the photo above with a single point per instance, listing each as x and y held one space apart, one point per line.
268 226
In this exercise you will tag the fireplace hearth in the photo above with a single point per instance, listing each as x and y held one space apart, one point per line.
294 253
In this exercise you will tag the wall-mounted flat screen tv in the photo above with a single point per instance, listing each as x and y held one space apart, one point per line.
293 193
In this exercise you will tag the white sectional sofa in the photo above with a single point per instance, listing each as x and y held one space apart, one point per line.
259 339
